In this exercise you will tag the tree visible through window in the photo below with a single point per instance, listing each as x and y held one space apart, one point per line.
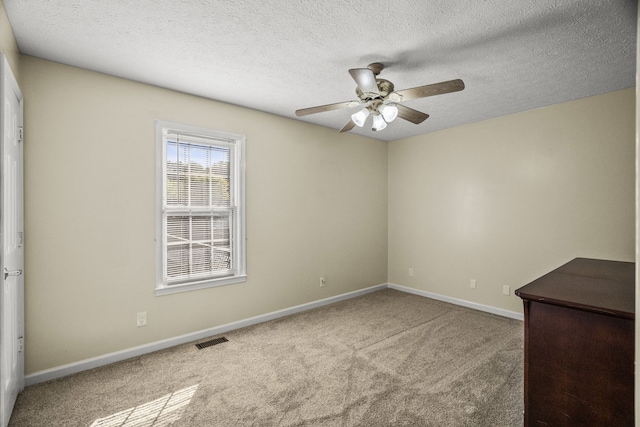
202 215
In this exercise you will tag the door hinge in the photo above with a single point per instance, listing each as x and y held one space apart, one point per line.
14 273
20 133
20 344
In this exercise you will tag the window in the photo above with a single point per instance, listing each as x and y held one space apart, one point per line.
200 208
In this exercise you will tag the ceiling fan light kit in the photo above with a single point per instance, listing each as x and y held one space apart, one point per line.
360 117
388 111
382 114
378 122
381 101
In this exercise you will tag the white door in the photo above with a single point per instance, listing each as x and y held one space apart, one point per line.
12 247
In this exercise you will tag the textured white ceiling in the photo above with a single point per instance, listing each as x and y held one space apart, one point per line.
282 55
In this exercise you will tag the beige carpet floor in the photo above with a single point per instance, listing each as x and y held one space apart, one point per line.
387 358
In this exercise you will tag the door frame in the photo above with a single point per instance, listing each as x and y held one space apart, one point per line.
7 401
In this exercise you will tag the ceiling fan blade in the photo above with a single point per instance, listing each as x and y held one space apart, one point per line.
328 107
346 128
411 115
366 80
431 90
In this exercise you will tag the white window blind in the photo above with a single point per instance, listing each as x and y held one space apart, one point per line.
202 217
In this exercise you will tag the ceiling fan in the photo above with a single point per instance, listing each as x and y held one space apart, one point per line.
378 99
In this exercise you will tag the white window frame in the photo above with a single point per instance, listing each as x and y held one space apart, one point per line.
237 164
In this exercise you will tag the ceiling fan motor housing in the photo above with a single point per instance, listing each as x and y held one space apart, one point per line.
385 87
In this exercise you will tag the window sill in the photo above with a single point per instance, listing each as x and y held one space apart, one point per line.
174 289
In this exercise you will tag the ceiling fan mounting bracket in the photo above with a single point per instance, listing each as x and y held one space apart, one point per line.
376 67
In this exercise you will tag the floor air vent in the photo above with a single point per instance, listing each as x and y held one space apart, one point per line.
211 342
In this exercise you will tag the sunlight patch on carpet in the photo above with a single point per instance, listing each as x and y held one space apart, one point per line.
160 412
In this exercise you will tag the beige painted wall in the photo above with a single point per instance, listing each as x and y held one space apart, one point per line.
506 200
501 201
317 205
8 45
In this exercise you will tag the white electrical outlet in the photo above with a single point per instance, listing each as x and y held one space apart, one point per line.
506 289
323 282
472 283
142 318
411 272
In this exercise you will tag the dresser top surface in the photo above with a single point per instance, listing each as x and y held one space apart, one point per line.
587 284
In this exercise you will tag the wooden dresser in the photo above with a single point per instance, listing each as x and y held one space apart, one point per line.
579 345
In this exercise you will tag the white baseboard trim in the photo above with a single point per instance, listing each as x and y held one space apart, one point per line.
106 359
456 301
95 362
